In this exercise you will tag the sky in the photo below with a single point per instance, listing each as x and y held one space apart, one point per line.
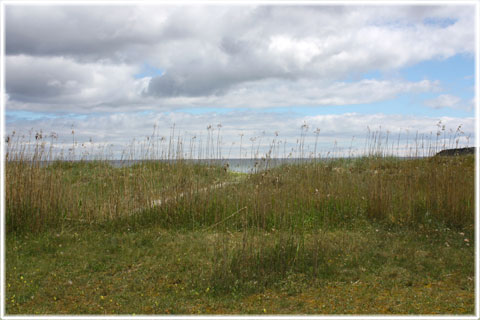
295 80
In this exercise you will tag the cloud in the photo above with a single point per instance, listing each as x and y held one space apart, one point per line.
58 83
212 53
449 101
314 47
257 129
83 32
65 85
305 92
473 103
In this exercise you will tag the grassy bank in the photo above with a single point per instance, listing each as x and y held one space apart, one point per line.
362 235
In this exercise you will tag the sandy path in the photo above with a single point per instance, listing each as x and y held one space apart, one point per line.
159 202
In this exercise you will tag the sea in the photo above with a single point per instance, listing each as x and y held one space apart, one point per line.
234 165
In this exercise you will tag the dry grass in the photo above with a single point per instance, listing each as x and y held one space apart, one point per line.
370 221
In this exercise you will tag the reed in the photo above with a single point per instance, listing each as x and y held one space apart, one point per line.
315 217
43 191
322 192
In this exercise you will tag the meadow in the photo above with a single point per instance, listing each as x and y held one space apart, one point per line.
371 234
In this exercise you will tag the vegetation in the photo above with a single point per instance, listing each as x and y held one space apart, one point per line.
369 235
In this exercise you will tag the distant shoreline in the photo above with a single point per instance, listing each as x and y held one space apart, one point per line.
234 164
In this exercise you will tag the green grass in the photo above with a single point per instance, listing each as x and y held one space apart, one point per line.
40 197
372 235
156 271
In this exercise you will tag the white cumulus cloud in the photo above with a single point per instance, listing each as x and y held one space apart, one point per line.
215 53
449 101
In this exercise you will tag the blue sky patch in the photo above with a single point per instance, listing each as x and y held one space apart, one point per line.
439 22
16 115
148 70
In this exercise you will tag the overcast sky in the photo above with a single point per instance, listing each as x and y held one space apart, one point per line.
253 72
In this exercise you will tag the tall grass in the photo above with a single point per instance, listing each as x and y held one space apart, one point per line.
280 216
43 189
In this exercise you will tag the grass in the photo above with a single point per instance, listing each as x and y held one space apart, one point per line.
370 235
91 192
156 271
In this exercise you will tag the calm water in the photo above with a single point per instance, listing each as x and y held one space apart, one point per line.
235 165
244 165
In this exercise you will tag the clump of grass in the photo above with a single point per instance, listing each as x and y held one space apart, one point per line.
43 192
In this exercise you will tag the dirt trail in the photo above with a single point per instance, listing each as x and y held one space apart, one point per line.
159 202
